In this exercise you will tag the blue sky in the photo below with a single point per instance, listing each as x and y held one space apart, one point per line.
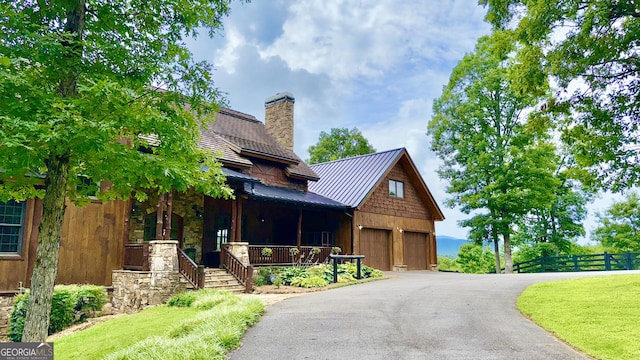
375 65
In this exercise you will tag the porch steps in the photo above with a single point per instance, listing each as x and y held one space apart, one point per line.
218 279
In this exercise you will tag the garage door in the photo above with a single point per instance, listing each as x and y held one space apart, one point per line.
374 245
415 251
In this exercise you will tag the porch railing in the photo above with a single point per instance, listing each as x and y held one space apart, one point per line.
281 255
243 273
136 257
190 270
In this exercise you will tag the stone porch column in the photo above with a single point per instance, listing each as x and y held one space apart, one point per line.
240 250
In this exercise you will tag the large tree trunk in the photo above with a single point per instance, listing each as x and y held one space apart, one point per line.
496 250
508 262
36 324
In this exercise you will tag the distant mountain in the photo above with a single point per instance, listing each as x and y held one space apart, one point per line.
448 245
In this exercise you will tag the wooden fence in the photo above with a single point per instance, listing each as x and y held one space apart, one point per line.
590 262
136 257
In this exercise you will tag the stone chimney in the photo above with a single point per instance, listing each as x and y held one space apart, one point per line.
278 118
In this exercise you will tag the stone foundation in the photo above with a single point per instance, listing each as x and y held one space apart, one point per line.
135 290
6 306
400 268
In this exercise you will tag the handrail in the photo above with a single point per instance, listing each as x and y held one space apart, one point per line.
193 272
243 273
281 255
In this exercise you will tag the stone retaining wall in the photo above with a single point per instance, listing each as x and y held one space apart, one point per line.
6 305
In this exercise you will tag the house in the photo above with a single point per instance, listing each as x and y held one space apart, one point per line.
280 203
392 210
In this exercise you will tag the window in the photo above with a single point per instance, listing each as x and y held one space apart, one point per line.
11 223
396 189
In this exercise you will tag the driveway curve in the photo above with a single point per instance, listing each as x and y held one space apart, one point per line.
413 315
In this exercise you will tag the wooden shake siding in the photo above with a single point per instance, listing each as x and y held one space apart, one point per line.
381 211
412 206
274 175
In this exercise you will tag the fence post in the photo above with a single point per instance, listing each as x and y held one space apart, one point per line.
543 267
576 267
248 286
200 276
607 262
628 261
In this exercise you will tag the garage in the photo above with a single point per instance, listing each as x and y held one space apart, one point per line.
375 246
415 250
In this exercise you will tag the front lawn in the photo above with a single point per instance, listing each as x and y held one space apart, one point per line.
597 315
196 325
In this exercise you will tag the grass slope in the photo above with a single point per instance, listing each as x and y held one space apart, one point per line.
201 325
596 315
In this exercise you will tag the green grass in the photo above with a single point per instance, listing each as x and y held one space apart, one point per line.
597 315
205 328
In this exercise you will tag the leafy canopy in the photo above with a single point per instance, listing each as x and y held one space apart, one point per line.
619 228
339 144
590 49
96 87
498 166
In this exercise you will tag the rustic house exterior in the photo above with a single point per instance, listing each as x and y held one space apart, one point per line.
393 212
280 203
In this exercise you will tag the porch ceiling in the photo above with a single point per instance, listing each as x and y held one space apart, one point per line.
263 192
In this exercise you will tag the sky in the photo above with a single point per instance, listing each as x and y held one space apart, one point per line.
375 65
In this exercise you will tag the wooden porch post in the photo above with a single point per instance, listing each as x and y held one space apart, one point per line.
299 237
238 228
234 219
167 223
159 216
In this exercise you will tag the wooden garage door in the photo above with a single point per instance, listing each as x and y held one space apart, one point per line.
374 245
415 251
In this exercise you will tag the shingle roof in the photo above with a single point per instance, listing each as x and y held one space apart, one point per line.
260 191
350 180
237 134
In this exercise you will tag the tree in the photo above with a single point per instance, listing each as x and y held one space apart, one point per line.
620 225
552 230
339 144
498 166
590 48
474 259
84 86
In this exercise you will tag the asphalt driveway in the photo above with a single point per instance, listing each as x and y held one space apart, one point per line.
415 315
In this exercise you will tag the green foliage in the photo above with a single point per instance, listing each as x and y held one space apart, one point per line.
309 281
18 314
218 328
473 259
619 228
339 144
446 263
312 276
84 88
70 304
594 57
498 166
183 299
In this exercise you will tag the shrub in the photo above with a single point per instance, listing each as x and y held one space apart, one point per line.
18 314
288 273
266 276
70 304
183 299
309 282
